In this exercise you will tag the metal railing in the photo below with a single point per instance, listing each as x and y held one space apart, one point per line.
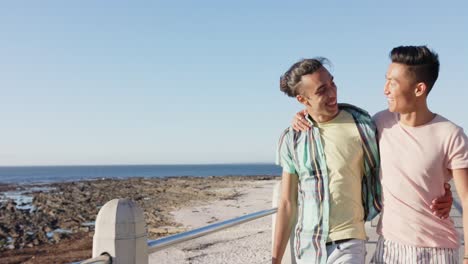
165 242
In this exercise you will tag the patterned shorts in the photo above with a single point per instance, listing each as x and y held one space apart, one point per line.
389 252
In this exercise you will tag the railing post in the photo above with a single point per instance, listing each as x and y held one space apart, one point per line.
288 258
120 232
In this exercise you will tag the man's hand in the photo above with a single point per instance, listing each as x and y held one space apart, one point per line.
299 122
441 206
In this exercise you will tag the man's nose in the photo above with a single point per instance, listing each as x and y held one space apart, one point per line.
386 90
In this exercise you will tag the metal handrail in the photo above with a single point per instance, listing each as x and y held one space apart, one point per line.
165 242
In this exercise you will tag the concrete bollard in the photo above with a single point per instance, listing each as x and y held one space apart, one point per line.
288 257
120 232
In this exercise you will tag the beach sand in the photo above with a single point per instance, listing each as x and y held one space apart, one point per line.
70 205
247 243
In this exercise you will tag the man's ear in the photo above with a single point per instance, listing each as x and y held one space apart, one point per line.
420 89
301 99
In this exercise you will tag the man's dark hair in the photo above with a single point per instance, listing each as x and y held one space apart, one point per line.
422 63
291 79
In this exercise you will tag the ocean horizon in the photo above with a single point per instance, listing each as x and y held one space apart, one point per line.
63 173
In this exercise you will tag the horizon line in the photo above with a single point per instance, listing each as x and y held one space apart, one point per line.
139 164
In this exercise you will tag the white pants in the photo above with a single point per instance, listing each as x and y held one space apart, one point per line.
349 252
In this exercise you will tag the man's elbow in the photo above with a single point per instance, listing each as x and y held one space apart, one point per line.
287 206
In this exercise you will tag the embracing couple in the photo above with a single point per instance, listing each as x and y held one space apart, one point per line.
342 167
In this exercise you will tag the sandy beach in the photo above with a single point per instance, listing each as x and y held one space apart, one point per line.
247 243
53 223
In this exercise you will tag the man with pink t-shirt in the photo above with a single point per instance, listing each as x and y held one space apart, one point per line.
420 151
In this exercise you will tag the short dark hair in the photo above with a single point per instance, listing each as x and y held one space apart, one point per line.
423 63
291 79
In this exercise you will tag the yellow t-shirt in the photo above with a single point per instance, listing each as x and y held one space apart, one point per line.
344 155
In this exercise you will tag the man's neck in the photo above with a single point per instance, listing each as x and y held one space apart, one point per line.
323 118
418 117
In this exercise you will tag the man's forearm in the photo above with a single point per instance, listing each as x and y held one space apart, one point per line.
283 226
460 177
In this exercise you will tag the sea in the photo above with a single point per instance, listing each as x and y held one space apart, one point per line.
48 174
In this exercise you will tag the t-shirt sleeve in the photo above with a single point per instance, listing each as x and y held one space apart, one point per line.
378 120
458 151
284 155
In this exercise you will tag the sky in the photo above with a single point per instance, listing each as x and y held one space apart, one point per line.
186 82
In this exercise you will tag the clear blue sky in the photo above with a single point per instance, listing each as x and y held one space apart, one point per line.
147 82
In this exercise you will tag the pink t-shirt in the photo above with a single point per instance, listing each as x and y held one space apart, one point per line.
415 164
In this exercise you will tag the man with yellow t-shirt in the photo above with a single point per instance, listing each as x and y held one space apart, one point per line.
330 171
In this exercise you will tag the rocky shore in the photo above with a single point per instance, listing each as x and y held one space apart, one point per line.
55 222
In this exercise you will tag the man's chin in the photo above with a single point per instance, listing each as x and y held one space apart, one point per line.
334 110
391 109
